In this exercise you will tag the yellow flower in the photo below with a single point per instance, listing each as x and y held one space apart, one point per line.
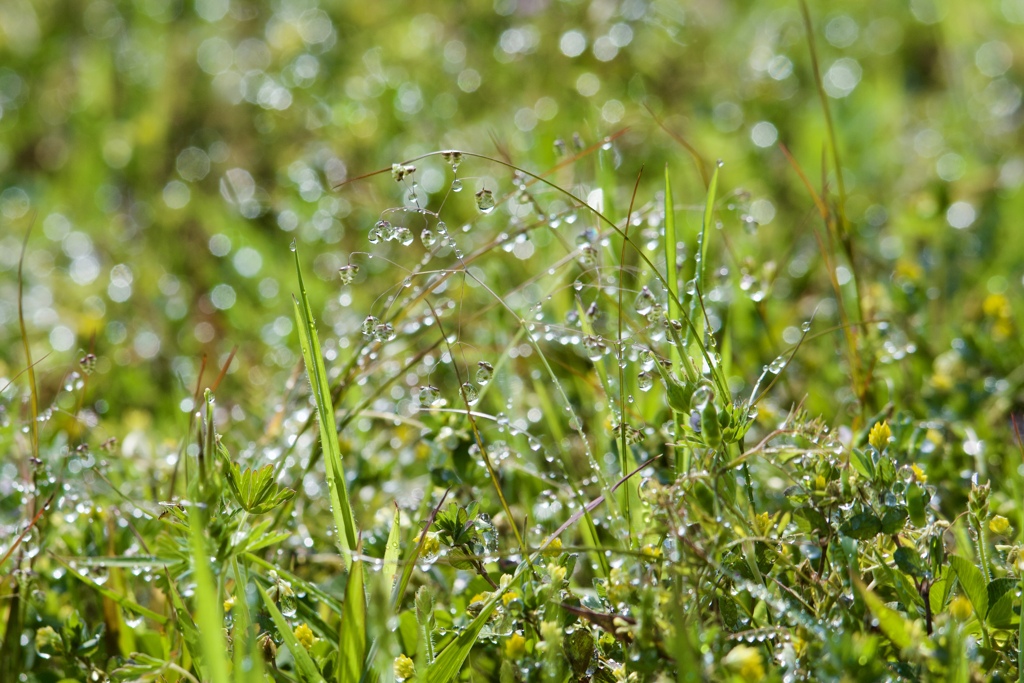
305 636
556 573
554 548
961 608
919 473
997 306
998 525
820 482
880 435
229 603
745 661
480 597
515 646
431 546
509 596
404 668
651 551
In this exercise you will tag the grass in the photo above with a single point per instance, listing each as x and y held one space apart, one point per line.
560 409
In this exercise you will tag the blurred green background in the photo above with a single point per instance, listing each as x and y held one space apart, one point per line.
165 154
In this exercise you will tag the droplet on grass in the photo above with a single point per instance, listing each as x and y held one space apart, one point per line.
484 372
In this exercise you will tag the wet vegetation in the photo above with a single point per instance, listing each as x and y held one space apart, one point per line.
560 341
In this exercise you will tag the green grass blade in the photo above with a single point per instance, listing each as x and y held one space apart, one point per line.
671 244
243 638
320 385
209 610
305 667
106 592
393 549
352 641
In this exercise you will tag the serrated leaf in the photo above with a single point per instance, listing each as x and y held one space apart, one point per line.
862 526
305 667
973 582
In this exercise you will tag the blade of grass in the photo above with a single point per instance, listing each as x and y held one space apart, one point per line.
393 549
209 611
124 602
321 388
352 633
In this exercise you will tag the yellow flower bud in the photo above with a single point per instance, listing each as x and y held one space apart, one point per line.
404 667
998 524
515 646
305 635
880 435
961 608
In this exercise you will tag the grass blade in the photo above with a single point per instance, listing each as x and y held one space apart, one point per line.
320 385
209 610
352 641
392 550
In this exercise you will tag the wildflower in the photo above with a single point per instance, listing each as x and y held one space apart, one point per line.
880 435
651 551
431 544
763 523
919 473
515 646
961 608
404 668
305 636
509 596
229 603
557 573
998 524
553 549
479 597
746 662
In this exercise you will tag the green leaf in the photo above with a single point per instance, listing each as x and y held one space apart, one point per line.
862 526
894 519
973 582
305 667
1000 599
861 462
892 623
314 360
908 562
579 650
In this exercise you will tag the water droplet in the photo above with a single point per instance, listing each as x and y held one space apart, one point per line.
404 236
577 285
453 157
484 372
348 273
485 200
369 325
806 326
588 256
456 185
775 367
470 393
374 235
429 396
644 381
644 301
292 246
428 238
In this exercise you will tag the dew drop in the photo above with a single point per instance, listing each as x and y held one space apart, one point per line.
428 238
484 372
485 200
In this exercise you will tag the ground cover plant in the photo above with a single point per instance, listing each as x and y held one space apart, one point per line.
611 341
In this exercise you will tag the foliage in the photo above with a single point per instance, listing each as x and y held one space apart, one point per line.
568 400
